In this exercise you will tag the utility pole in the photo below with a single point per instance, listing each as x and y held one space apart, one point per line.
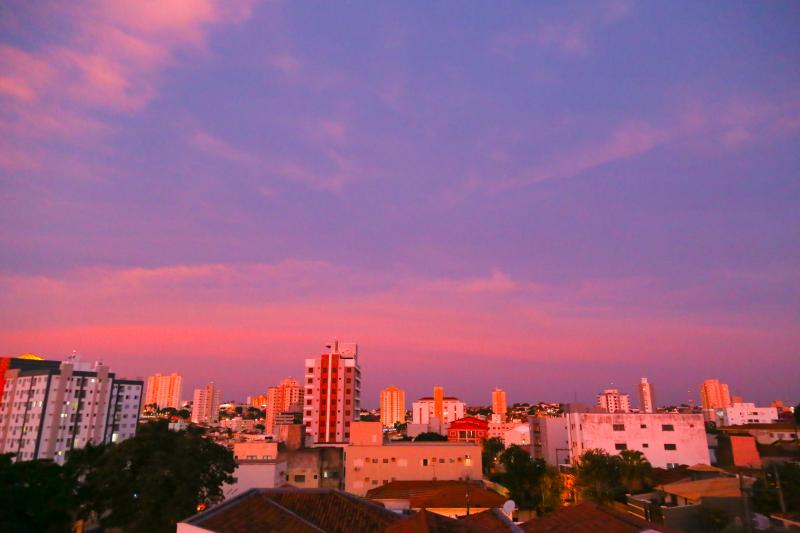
748 520
781 501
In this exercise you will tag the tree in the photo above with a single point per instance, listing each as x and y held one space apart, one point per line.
185 414
153 480
400 426
430 436
491 449
797 414
168 412
34 496
765 491
366 417
532 483
597 476
635 471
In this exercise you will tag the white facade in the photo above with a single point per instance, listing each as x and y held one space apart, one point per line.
205 405
47 411
666 440
422 411
611 401
738 414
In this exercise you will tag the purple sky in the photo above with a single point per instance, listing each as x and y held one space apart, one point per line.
543 197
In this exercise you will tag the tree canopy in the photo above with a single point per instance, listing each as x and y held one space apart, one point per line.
602 477
429 436
533 484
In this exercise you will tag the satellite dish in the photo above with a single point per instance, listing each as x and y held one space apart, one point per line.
508 507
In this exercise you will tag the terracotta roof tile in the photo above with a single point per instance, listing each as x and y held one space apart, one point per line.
428 522
430 494
493 519
589 517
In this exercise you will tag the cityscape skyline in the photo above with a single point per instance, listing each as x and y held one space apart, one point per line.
554 200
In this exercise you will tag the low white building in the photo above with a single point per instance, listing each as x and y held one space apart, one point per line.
422 411
739 414
666 440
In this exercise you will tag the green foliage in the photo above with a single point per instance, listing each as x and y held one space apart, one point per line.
401 426
260 427
366 417
184 414
253 413
430 436
597 476
712 519
765 491
34 496
491 449
635 471
168 412
532 483
150 482
797 414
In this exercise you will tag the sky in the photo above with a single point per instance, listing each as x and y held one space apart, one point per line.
553 198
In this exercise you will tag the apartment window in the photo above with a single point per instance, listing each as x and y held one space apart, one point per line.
467 460
310 381
385 460
645 445
621 446
308 402
643 426
424 462
300 478
619 427
667 427
670 447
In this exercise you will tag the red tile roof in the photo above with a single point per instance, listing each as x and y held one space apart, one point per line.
432 494
493 519
589 517
302 510
428 522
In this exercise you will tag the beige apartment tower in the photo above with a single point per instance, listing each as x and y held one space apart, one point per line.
205 405
163 390
499 404
646 404
287 396
393 406
715 395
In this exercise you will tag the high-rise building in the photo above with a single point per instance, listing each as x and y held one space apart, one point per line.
449 408
205 406
393 406
287 396
332 393
499 406
646 404
438 402
163 391
611 401
48 408
715 395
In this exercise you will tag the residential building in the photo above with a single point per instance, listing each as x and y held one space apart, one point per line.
393 406
519 435
714 395
666 440
371 462
468 429
259 401
48 408
737 414
499 405
449 408
646 398
611 401
447 498
205 406
287 396
332 393
163 391
590 516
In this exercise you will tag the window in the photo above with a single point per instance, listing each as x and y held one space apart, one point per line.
643 426
424 462
300 478
619 427
385 460
621 446
670 447
667 427
645 445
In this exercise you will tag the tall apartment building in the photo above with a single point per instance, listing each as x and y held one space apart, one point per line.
332 393
646 400
48 408
499 405
163 391
393 406
715 395
287 396
666 440
205 405
611 401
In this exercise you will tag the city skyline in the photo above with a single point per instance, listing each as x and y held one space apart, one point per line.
551 199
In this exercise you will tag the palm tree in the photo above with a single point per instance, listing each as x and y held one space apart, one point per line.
597 476
635 471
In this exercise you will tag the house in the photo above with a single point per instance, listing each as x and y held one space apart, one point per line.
448 498
589 517
468 429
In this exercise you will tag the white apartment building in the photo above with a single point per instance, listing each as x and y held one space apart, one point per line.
738 414
666 440
332 393
423 410
163 391
48 409
205 405
611 401
646 399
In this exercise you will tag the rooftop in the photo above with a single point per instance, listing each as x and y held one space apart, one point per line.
589 517
438 494
717 487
